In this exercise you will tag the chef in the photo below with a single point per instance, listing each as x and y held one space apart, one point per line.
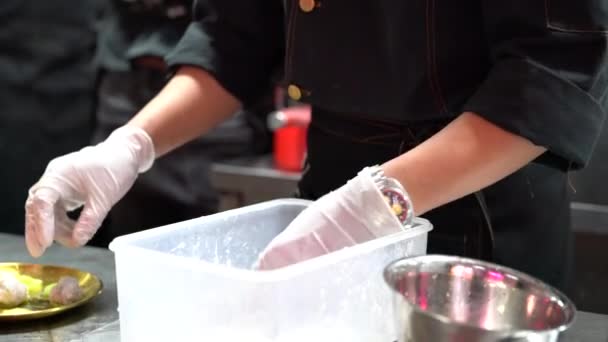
470 114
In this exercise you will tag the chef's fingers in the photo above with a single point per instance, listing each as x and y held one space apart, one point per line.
40 220
292 252
90 220
32 244
64 226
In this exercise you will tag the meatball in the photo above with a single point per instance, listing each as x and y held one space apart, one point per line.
12 292
67 291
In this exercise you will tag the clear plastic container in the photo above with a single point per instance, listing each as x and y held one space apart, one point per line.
107 333
193 281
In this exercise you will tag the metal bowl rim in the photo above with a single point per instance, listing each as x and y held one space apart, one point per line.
416 260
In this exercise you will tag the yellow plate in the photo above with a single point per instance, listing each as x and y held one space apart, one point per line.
34 309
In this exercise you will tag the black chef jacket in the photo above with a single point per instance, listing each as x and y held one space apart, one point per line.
47 92
130 30
533 67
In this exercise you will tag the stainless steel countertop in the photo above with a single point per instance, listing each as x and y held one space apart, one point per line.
71 326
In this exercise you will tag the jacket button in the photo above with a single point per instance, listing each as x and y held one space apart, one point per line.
294 92
307 5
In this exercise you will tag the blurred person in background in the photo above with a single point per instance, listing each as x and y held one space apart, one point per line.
47 92
133 40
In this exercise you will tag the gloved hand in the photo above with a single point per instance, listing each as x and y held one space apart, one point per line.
355 213
96 177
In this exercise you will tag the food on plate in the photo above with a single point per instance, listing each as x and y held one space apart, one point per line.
12 292
46 292
67 291
34 285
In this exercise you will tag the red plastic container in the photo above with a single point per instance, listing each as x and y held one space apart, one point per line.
290 126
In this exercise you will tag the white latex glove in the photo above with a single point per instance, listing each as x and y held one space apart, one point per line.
355 213
96 177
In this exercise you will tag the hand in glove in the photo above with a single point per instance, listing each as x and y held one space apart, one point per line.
357 212
96 177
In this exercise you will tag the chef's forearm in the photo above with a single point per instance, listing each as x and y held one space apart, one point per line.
468 155
191 104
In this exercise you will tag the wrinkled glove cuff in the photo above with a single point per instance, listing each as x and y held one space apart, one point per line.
394 193
138 142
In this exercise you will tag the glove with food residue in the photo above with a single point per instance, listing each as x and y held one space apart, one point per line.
355 213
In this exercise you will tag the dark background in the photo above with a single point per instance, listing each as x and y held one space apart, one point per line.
590 224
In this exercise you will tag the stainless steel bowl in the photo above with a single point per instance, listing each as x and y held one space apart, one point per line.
443 298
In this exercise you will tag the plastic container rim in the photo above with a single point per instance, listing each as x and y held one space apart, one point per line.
121 244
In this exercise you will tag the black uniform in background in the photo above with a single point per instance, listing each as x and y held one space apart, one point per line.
133 40
47 92
383 75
